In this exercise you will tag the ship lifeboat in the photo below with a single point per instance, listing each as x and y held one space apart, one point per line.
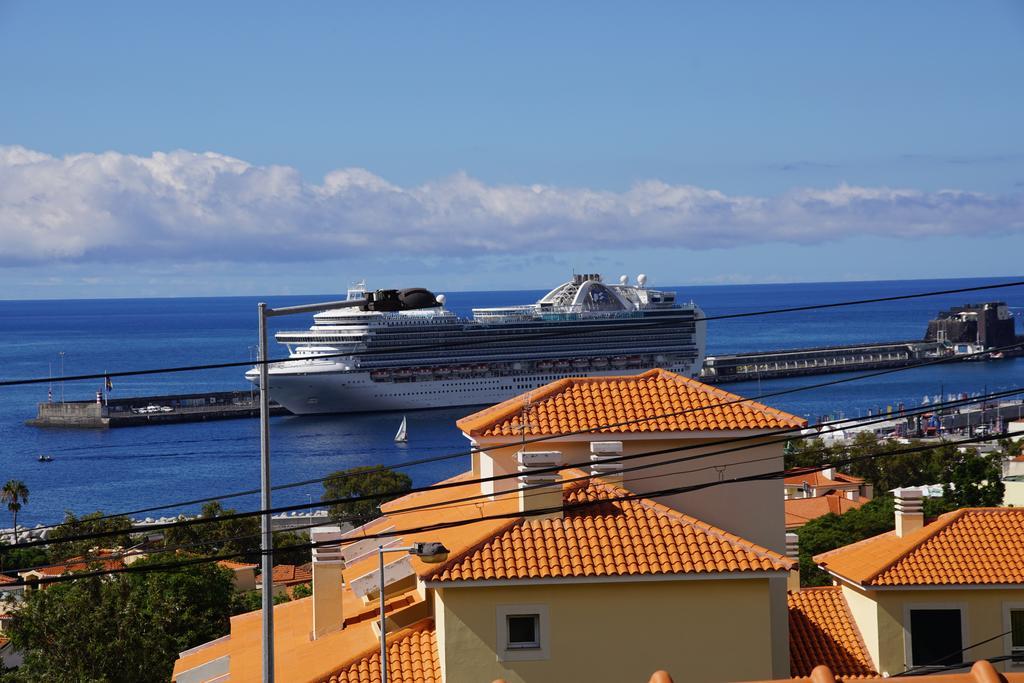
599 363
442 371
464 370
544 365
403 373
581 363
424 372
619 362
379 375
634 361
562 364
480 368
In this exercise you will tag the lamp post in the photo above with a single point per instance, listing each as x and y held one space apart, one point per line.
266 530
431 553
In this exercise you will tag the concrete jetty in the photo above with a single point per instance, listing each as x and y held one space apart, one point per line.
149 410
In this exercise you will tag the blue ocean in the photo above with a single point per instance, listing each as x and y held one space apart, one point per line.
125 469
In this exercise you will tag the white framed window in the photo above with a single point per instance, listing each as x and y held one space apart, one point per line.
934 634
1013 626
523 632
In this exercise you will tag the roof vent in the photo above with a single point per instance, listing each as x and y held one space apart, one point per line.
540 490
909 511
793 553
605 460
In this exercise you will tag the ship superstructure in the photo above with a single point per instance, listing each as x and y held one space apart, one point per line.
405 350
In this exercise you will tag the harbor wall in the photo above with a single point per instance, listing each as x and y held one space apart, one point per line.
78 414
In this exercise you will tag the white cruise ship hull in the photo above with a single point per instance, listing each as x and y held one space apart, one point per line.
355 392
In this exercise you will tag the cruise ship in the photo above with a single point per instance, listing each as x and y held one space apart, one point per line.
402 349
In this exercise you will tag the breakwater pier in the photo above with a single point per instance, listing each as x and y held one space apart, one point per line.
149 410
744 367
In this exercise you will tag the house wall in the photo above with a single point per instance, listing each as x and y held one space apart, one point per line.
752 510
886 637
615 631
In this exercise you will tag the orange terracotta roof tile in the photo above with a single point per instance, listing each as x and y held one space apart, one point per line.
229 564
5 579
815 478
822 631
848 478
655 401
968 546
610 538
289 574
412 657
981 672
81 564
799 511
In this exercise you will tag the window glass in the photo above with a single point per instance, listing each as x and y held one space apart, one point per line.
523 630
935 637
1017 634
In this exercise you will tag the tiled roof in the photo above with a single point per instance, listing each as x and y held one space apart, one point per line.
412 658
107 560
289 574
817 479
672 402
848 478
799 511
981 672
822 631
229 564
5 579
610 538
967 546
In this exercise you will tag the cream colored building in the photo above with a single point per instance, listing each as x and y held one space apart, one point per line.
947 592
600 553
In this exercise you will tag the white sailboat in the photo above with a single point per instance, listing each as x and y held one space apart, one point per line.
402 435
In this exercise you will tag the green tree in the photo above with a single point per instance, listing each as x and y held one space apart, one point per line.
14 494
382 483
972 480
239 537
125 627
92 523
21 558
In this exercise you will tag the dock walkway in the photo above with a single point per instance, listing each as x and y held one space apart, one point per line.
148 410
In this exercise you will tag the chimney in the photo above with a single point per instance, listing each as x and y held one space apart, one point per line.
793 553
543 490
909 511
327 566
829 472
600 453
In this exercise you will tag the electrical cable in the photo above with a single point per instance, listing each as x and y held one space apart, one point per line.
527 490
544 335
538 439
759 440
559 509
911 670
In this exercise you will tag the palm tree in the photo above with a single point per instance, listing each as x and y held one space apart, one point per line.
14 493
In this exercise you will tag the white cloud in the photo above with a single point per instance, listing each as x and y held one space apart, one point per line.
185 205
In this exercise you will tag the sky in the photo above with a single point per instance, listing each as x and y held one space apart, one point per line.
197 148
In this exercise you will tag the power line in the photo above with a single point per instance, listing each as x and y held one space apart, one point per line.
450 484
542 438
541 335
911 671
391 533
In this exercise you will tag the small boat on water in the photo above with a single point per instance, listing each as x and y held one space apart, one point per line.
45 458
402 436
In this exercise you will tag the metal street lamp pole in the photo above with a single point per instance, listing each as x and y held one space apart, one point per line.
431 553
266 535
266 529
